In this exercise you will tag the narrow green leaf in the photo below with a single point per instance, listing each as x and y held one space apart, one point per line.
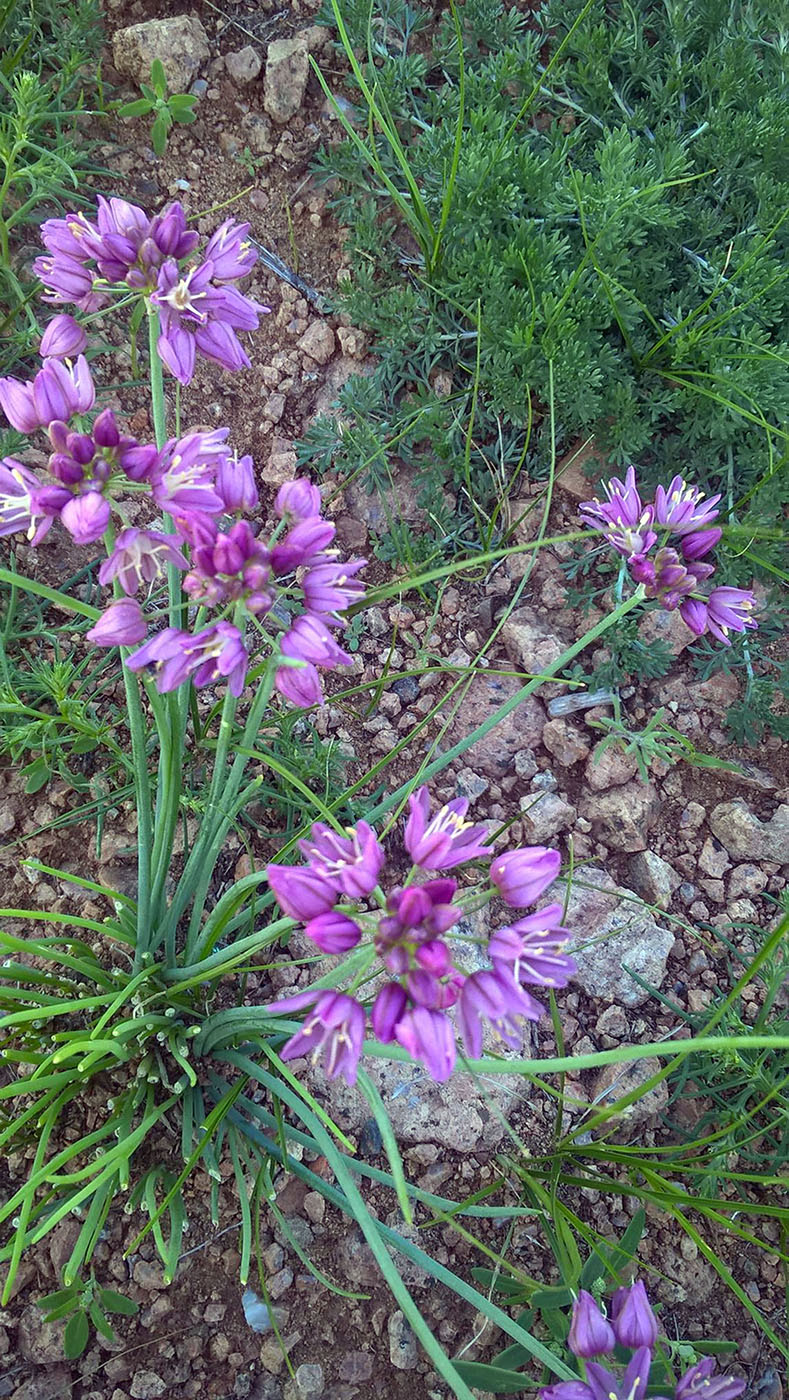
55 1300
75 1337
159 78
493 1378
159 135
100 1322
135 109
113 1302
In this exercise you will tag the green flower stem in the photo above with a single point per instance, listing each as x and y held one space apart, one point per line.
142 793
156 372
168 793
220 813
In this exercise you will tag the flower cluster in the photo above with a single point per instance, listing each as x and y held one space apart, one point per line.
674 574
292 588
632 1325
200 308
338 898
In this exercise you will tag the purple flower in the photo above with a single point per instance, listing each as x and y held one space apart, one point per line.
86 517
683 508
67 280
634 1322
233 567
699 543
63 338
522 876
301 892
422 911
184 477
235 483
533 949
435 957
169 233
427 1036
445 840
334 1028
387 1011
309 639
18 487
301 685
729 609
196 314
350 864
302 544
217 652
623 519
18 405
495 997
120 625
567 1390
591 1333
60 391
298 500
139 557
604 1386
333 932
230 252
623 507
330 588
699 1383
664 576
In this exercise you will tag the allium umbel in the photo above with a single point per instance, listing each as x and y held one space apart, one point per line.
673 575
633 1326
337 896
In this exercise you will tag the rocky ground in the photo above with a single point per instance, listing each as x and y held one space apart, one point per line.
707 849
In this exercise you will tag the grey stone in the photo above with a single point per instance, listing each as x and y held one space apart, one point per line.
318 342
53 1386
457 1115
566 742
180 43
407 687
287 70
402 1343
529 643
244 65
613 931
39 1341
746 837
146 1385
622 817
653 878
713 859
357 1366
609 767
544 816
470 784
614 1082
520 729
308 1380
746 879
666 627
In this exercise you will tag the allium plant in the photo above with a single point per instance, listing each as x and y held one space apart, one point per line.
202 595
632 1327
405 934
665 546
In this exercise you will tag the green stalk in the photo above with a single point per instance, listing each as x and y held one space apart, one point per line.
220 812
142 793
222 796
